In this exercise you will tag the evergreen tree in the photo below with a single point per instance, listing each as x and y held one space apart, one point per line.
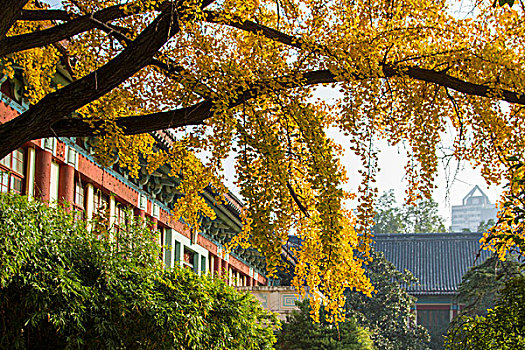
63 285
300 332
388 313
419 218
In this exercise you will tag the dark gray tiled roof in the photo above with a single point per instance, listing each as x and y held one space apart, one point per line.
438 260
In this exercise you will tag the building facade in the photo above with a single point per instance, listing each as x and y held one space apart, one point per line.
278 299
64 170
475 209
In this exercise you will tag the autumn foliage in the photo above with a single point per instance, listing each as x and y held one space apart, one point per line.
237 77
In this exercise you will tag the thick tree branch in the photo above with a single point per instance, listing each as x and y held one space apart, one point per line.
10 11
47 117
297 200
389 70
198 113
45 15
60 32
448 81
255 28
193 115
55 106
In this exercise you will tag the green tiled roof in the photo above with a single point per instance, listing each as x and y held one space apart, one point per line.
438 260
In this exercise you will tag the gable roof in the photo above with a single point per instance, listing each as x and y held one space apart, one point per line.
438 260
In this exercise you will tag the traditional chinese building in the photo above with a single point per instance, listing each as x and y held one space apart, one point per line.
65 170
439 261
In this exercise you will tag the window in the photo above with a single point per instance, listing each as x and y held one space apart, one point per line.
78 203
121 216
12 169
203 264
100 203
79 194
167 248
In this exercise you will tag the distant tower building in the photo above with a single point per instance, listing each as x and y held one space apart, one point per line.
475 209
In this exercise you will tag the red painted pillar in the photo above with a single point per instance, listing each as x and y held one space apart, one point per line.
154 224
216 266
43 174
226 269
140 213
249 280
66 188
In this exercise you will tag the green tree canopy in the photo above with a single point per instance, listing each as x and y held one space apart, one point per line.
503 326
484 226
408 218
65 286
301 333
388 313
481 284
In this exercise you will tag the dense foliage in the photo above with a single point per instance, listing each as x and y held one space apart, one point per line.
64 286
418 217
299 332
388 314
503 326
237 78
481 284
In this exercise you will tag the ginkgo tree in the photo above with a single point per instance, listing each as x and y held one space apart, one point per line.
238 77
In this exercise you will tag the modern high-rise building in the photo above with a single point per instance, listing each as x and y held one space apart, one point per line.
476 208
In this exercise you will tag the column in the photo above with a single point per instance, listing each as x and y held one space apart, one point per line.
43 174
140 213
66 187
211 264
30 178
154 224
112 211
226 270
90 193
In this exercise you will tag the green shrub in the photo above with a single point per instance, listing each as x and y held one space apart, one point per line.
300 332
68 284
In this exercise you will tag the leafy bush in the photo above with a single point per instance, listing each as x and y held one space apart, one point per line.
300 332
68 284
